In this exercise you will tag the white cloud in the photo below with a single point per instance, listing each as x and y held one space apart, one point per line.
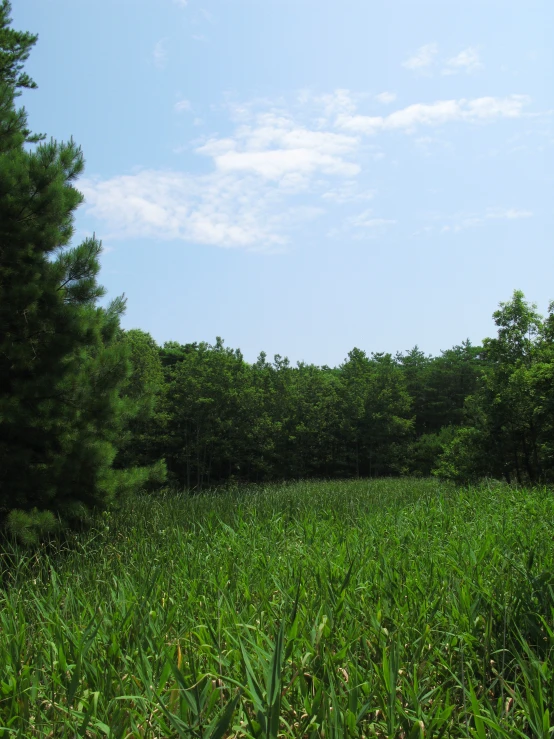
276 167
223 211
348 192
386 97
181 3
463 221
276 164
274 146
336 103
367 220
182 105
159 54
508 214
422 114
467 61
422 59
436 114
364 225
248 199
489 107
243 202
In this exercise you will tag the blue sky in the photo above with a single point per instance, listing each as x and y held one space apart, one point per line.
301 176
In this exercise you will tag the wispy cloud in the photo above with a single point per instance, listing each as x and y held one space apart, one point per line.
276 148
181 3
437 114
246 201
223 211
348 192
467 61
386 98
279 166
428 145
508 214
159 54
364 225
463 221
335 103
182 105
422 59
367 221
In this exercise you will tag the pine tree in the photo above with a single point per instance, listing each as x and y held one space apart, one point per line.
62 361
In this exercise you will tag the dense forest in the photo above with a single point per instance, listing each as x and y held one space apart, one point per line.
468 413
89 412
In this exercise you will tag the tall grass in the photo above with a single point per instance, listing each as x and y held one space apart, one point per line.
391 608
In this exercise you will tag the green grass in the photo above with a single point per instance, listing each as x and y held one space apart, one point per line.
391 608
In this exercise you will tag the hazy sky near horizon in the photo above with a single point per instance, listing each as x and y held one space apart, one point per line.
301 176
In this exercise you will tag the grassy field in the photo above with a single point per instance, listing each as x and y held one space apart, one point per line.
390 608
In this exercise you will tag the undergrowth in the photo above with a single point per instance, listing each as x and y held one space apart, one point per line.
389 608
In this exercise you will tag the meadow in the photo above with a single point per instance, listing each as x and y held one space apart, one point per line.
388 608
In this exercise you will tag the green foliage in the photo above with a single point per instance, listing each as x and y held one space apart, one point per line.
15 47
218 419
146 377
29 527
221 419
63 365
471 412
463 458
387 608
509 418
426 450
440 385
378 420
143 392
211 411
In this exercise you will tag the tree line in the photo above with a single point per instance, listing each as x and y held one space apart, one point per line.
218 418
90 412
471 412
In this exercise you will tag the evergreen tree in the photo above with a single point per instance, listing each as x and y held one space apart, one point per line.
62 361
